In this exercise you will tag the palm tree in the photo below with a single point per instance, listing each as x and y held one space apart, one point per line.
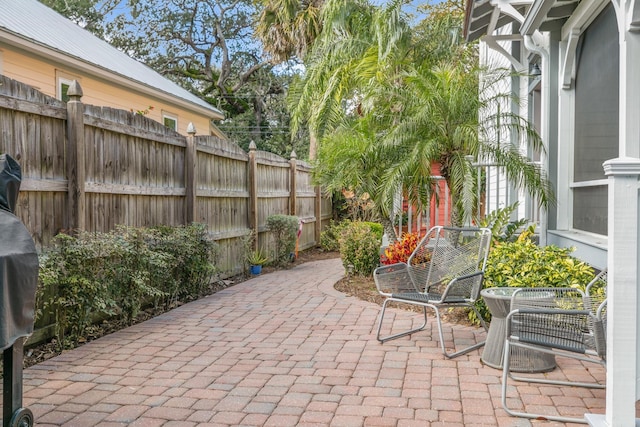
357 43
385 111
288 28
350 158
449 117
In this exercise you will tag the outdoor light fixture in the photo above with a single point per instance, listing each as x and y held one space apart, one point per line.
535 70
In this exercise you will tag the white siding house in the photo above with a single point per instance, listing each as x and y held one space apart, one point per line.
586 104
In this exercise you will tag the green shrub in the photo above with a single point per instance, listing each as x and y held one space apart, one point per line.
71 285
192 259
137 272
522 263
360 248
285 232
376 228
329 237
86 278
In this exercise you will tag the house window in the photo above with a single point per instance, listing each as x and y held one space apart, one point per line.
596 120
170 121
63 88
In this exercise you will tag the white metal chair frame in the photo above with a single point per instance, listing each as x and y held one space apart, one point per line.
445 270
564 322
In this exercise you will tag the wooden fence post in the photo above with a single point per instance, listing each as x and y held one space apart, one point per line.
318 214
293 187
75 219
191 164
253 191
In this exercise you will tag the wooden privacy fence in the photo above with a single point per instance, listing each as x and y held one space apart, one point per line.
92 168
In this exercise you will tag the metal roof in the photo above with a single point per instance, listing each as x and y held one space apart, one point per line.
35 22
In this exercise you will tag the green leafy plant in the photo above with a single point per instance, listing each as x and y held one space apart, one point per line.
193 255
86 278
329 237
376 228
247 243
359 248
257 258
503 229
284 229
71 286
137 271
522 263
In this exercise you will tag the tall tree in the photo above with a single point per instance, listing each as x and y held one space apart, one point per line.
419 109
267 123
206 46
354 50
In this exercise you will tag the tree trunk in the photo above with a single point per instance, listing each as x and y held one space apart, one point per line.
387 225
313 145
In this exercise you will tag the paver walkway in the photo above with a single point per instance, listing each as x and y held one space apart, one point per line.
282 349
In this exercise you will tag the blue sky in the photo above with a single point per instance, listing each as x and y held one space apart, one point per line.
411 7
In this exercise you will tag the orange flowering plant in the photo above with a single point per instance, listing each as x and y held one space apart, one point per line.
401 250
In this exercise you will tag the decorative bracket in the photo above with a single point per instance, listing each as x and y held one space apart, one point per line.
506 8
633 17
568 66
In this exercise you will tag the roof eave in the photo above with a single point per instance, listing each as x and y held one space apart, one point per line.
536 16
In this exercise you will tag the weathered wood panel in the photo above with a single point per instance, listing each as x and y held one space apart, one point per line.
134 171
32 131
273 174
223 197
135 174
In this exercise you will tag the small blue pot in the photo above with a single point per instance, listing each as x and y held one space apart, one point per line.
255 269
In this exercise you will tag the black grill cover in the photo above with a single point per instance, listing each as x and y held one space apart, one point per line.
18 261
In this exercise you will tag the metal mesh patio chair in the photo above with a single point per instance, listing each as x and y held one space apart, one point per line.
564 322
445 270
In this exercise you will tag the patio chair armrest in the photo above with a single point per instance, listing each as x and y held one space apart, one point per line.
393 279
463 288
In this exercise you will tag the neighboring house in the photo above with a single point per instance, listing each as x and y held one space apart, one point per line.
45 50
583 88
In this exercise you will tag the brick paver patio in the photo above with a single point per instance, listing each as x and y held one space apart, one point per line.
282 349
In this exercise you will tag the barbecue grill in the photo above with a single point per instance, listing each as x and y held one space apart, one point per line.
18 281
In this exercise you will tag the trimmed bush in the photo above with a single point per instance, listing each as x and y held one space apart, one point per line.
376 228
71 285
285 232
359 247
193 260
95 275
329 237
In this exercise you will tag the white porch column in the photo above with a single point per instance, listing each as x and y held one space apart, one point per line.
622 293
623 384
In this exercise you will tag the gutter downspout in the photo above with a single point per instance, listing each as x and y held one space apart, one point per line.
536 43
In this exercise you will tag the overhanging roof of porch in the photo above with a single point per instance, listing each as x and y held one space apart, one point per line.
548 15
482 17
